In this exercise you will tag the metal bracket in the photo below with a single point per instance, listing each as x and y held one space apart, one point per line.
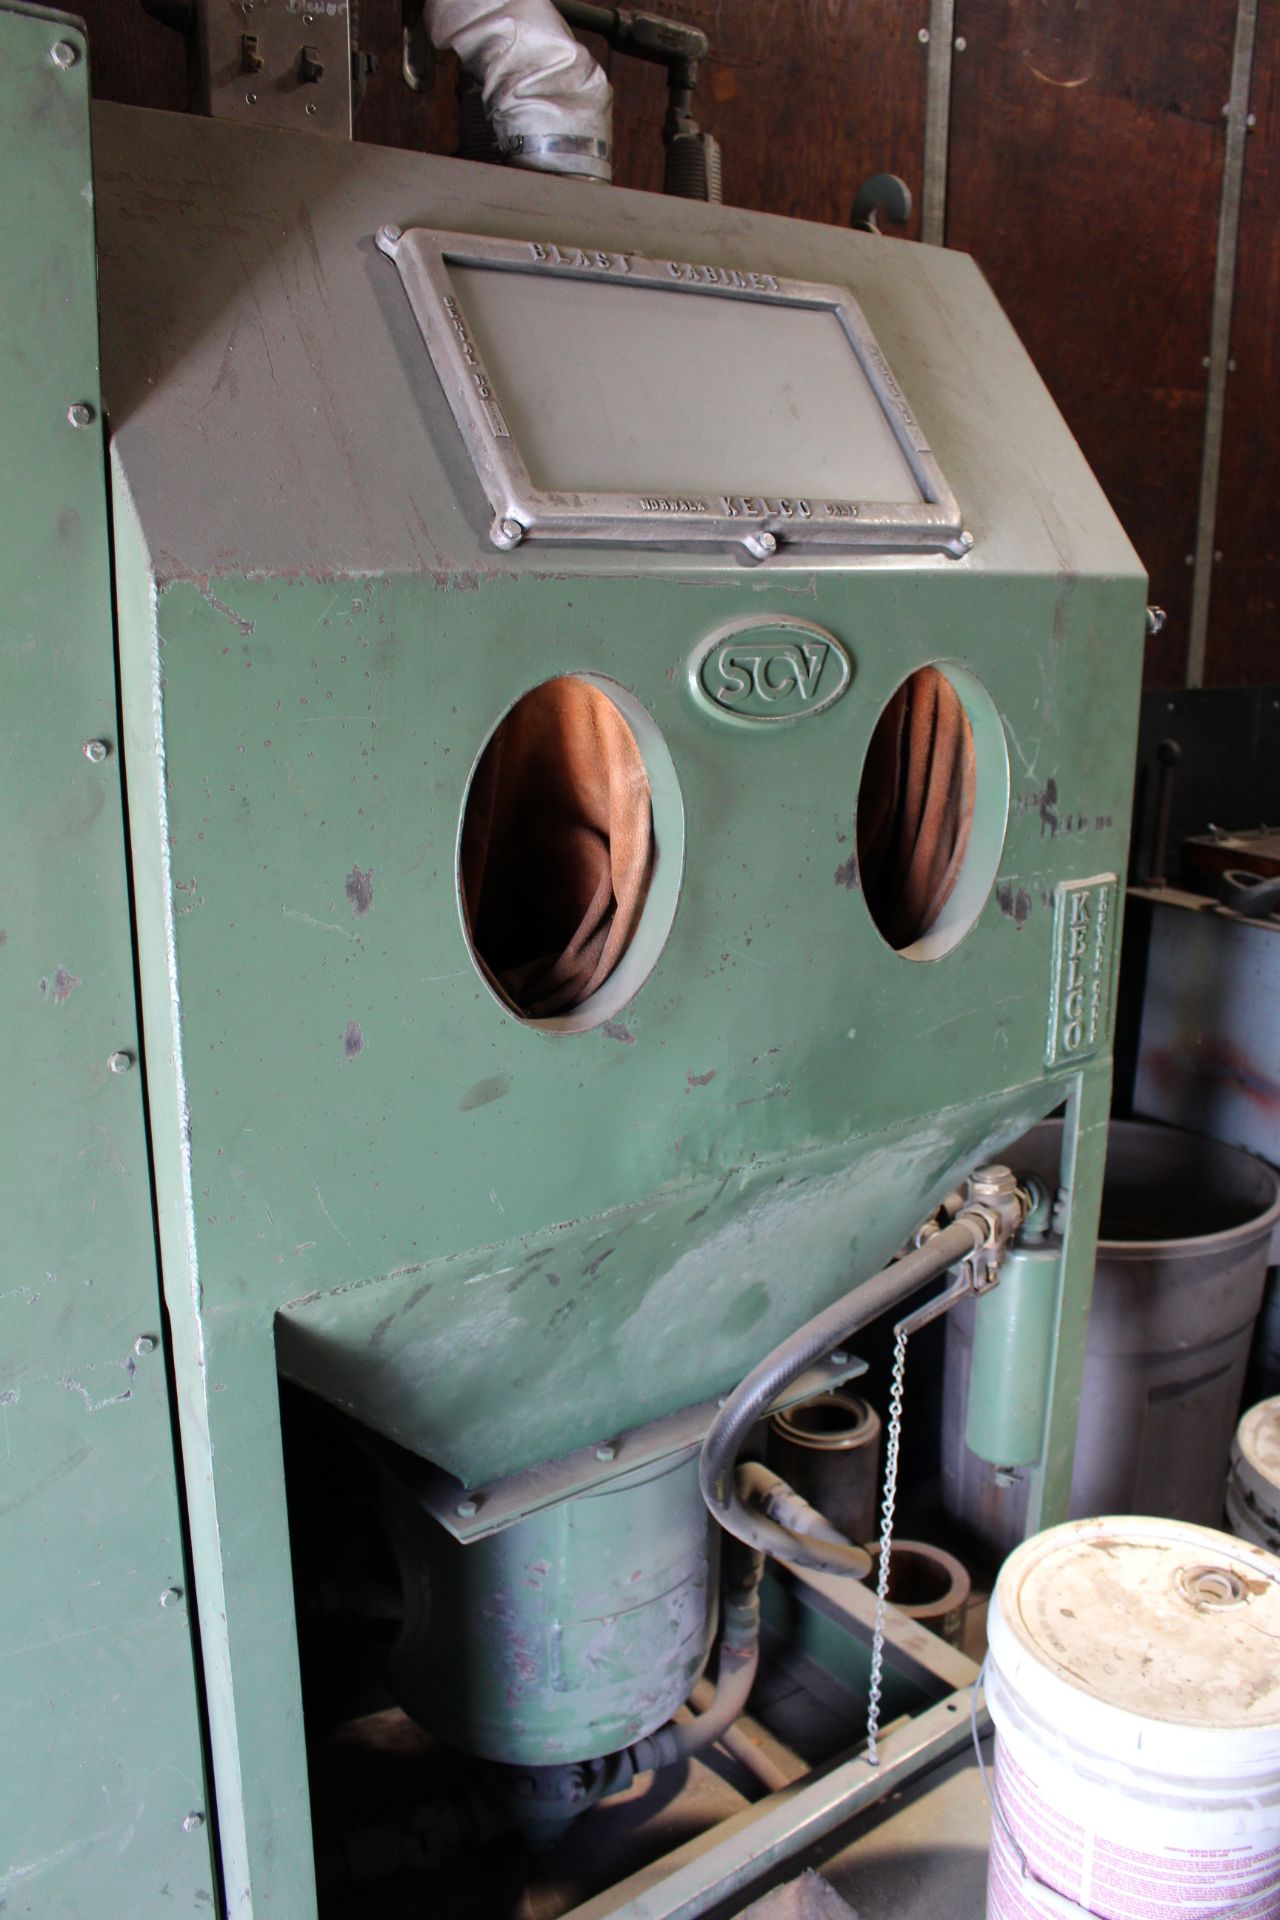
473 1513
282 66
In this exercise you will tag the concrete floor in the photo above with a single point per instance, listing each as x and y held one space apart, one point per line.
925 1856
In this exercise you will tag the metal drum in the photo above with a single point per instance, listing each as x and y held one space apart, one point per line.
828 1449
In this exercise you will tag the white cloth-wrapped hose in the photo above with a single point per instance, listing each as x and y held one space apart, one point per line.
548 100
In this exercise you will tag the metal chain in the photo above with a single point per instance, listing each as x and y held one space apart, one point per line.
893 1439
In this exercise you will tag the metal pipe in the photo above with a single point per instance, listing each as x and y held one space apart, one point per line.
548 100
819 1336
739 1745
693 168
1168 754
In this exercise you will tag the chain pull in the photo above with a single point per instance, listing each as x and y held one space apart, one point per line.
893 1441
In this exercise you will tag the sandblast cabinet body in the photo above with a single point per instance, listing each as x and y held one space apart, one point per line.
393 442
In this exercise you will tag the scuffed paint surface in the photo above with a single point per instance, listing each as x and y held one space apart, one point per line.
602 1324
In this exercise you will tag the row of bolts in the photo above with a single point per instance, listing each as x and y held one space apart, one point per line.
81 414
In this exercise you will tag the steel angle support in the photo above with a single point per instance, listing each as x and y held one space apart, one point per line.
709 1870
1084 1159
1219 363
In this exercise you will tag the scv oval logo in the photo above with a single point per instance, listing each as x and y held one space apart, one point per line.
772 670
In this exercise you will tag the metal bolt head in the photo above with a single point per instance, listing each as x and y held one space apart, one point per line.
1156 617
966 539
760 545
839 1358
144 1344
466 1509
251 99
120 1062
193 1822
507 533
960 43
994 1181
63 54
171 1597
606 1452
1251 121
311 106
80 414
96 751
923 36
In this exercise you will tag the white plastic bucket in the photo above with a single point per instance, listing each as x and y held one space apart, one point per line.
1134 1681
1253 1485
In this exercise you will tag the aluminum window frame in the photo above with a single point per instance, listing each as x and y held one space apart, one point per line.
762 526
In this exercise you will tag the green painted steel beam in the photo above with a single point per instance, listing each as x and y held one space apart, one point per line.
1084 1156
103 1810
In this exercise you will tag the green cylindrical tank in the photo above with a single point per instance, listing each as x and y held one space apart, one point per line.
565 1636
1012 1349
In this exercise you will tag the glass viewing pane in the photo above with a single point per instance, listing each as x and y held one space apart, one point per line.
610 388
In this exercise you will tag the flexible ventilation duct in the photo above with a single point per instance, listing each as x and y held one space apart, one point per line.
550 103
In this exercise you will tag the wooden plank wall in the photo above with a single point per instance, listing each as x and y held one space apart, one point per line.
1084 173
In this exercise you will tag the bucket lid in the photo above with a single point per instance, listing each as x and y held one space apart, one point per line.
1255 1454
1151 1640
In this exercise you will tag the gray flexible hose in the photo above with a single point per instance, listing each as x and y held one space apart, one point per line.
821 1335
739 1660
767 1492
680 1740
